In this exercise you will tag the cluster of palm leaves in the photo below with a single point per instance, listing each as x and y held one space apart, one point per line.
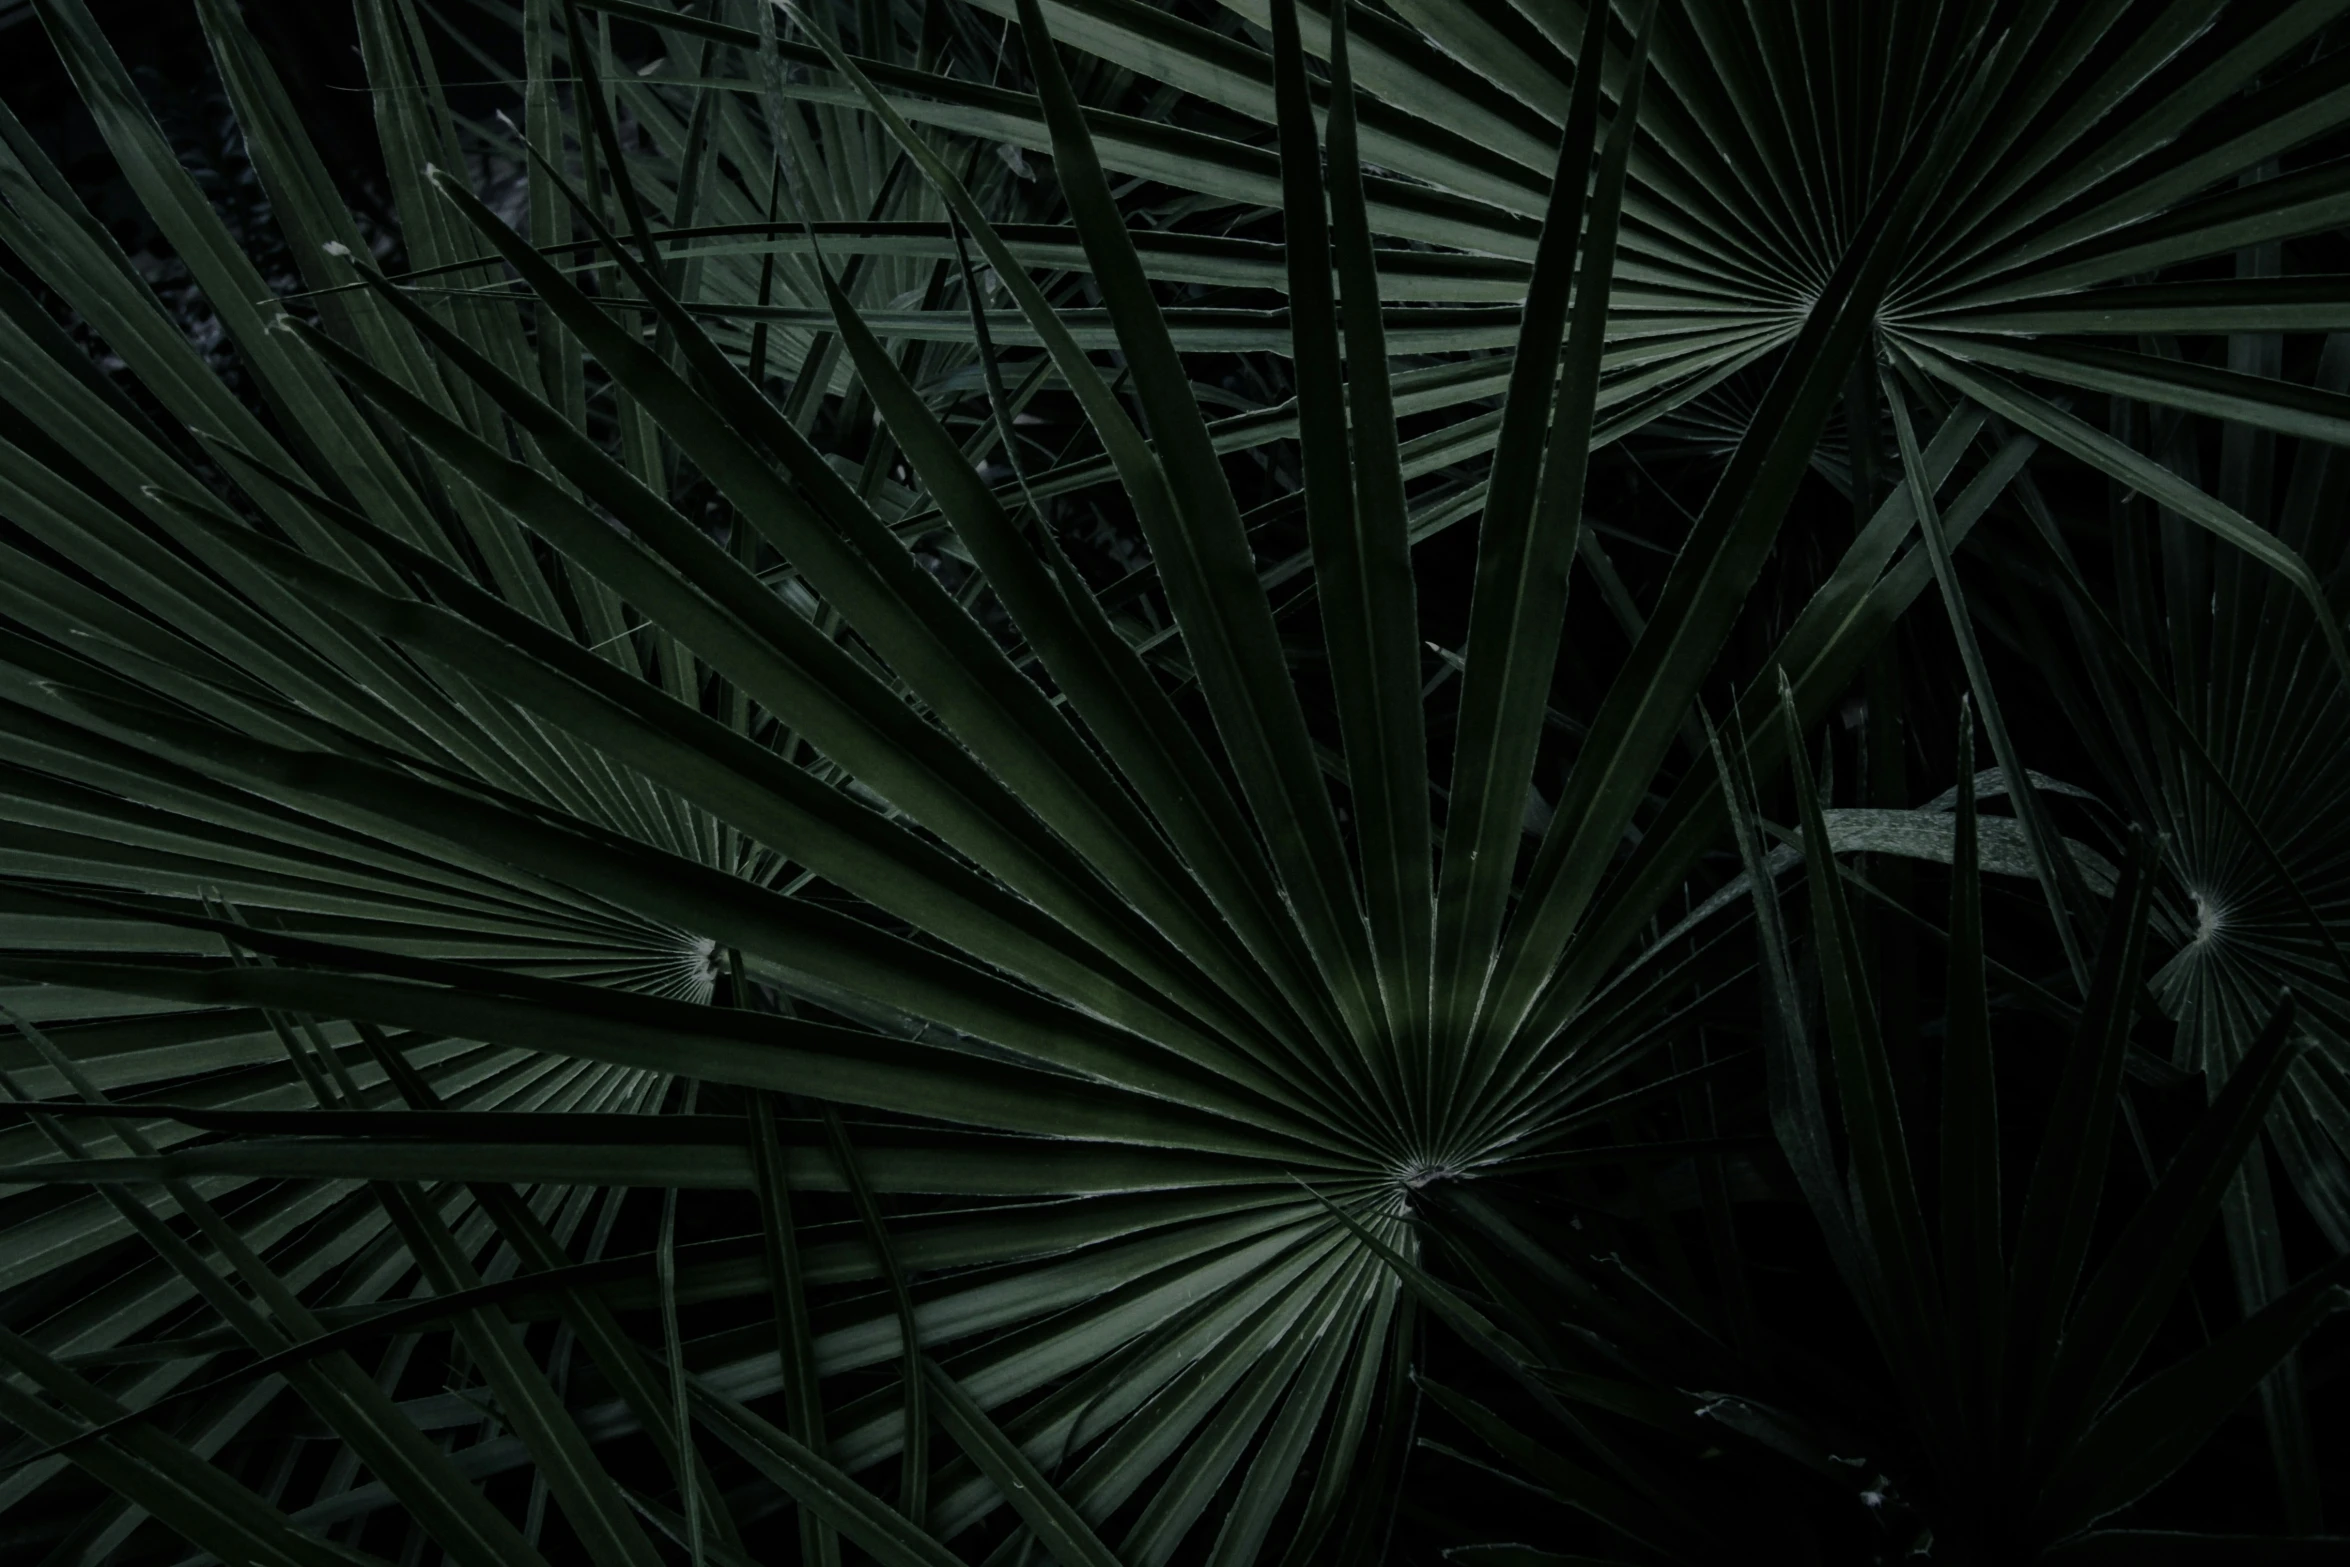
873 823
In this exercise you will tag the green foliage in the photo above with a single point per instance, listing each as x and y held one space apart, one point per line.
1093 1019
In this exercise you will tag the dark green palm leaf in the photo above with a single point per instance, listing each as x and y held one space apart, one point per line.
414 742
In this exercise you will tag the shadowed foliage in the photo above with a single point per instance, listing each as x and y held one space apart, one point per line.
1010 781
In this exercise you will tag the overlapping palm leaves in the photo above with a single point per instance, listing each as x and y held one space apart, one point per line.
2099 145
2003 1414
2214 728
411 748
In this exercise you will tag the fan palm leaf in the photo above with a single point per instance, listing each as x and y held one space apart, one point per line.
521 726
